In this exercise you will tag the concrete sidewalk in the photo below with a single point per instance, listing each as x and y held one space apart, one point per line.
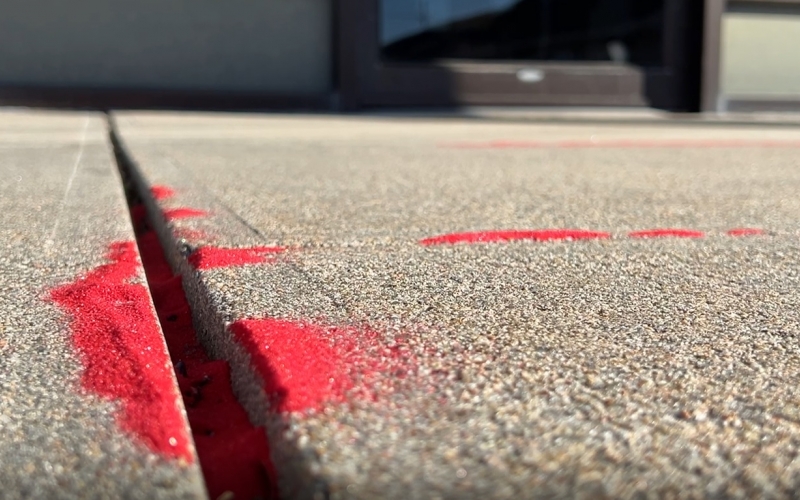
388 363
85 412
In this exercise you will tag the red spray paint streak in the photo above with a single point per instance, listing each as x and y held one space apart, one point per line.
304 365
120 347
508 235
234 454
161 192
183 213
625 143
746 231
213 257
666 233
561 234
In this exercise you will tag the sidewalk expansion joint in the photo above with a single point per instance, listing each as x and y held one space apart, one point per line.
234 454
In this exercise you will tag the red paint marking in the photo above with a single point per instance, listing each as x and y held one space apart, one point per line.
234 454
625 143
120 347
746 231
304 366
536 235
184 213
161 192
666 233
213 257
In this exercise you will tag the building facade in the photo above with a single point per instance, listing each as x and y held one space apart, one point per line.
681 55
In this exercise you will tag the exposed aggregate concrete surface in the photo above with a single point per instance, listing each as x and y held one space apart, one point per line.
62 203
615 368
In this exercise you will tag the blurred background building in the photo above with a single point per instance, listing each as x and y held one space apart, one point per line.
680 55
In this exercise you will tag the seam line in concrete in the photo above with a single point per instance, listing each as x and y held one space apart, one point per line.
82 145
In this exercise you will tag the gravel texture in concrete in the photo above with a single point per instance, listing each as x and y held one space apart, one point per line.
613 368
326 181
63 205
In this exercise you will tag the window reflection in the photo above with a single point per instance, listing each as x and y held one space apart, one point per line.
557 30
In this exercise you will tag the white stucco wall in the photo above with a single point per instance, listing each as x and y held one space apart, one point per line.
761 54
280 46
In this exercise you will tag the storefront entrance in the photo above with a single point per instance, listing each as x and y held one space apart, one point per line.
520 52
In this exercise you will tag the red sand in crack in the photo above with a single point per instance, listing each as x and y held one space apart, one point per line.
666 233
509 235
213 257
183 213
234 454
161 192
121 349
746 231
304 366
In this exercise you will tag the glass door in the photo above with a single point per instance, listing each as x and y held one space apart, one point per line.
618 31
549 52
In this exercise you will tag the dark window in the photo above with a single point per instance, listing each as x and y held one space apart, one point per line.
549 30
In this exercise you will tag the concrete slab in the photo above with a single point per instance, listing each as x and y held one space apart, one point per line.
73 423
611 368
375 181
540 370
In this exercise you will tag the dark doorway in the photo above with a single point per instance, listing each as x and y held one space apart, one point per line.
553 52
